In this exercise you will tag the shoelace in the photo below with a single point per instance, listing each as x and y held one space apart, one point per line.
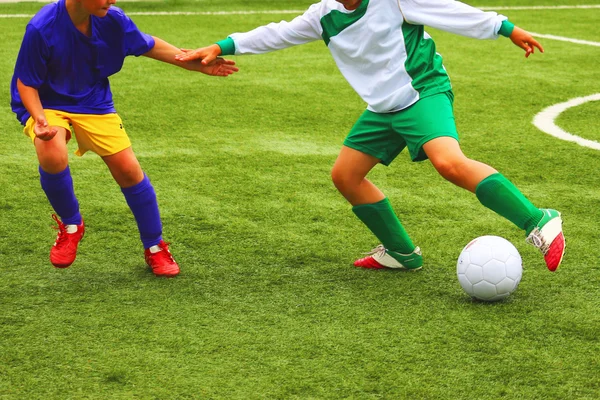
379 249
164 252
536 239
61 237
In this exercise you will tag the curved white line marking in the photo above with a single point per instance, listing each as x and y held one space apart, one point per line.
544 121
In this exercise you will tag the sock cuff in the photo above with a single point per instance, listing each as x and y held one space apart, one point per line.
490 181
137 188
385 203
58 176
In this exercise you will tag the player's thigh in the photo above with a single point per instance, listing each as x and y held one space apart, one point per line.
429 118
444 150
373 135
102 134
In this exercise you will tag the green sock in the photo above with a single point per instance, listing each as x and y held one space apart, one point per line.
383 222
499 195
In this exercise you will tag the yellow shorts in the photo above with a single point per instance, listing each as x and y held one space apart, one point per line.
102 134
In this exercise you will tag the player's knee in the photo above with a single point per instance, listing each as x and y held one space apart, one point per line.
450 169
52 155
341 179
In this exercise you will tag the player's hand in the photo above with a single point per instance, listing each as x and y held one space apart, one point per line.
525 41
206 54
43 131
219 67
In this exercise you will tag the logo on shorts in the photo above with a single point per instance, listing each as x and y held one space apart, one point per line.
120 126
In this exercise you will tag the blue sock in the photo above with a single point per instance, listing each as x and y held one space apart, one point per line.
60 193
141 199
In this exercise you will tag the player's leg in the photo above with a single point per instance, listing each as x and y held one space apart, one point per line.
543 228
105 135
363 149
141 198
57 183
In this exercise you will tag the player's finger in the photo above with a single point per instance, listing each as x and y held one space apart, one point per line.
187 56
42 136
208 59
537 44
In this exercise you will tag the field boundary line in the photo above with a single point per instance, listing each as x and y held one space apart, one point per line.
566 39
544 121
167 13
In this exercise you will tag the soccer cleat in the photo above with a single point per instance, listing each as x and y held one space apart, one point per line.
379 258
64 250
161 261
548 237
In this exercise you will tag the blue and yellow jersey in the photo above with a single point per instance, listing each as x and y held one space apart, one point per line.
69 69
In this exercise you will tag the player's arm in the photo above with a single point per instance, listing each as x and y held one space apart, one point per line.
459 18
264 39
31 100
31 70
165 52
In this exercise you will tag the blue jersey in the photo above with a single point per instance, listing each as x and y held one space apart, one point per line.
69 69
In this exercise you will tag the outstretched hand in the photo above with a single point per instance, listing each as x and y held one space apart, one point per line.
525 41
205 54
43 131
218 67
208 61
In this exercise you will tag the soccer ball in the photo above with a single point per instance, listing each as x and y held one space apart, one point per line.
489 268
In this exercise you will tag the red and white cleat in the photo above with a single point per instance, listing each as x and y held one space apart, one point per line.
161 261
548 237
64 250
380 257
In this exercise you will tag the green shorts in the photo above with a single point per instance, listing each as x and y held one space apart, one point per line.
385 135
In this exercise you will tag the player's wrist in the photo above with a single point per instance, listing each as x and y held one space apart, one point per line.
507 28
39 118
227 46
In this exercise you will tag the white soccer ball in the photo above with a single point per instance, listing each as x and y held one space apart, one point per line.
489 268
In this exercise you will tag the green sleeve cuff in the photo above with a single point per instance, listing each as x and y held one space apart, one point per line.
506 29
227 46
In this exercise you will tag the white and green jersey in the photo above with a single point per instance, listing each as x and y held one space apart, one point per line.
381 48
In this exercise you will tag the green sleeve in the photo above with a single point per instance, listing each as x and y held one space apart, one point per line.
506 29
228 46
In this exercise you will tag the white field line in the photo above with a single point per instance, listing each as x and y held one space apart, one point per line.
540 7
566 39
158 13
544 121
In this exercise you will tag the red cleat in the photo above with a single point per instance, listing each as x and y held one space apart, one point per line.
548 237
161 261
555 253
368 262
64 251
380 257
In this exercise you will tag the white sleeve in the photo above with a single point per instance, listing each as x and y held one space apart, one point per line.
276 36
452 16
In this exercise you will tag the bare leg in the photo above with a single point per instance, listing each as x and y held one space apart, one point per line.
348 175
448 159
53 154
125 168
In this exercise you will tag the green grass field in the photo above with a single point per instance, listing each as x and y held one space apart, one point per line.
268 304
